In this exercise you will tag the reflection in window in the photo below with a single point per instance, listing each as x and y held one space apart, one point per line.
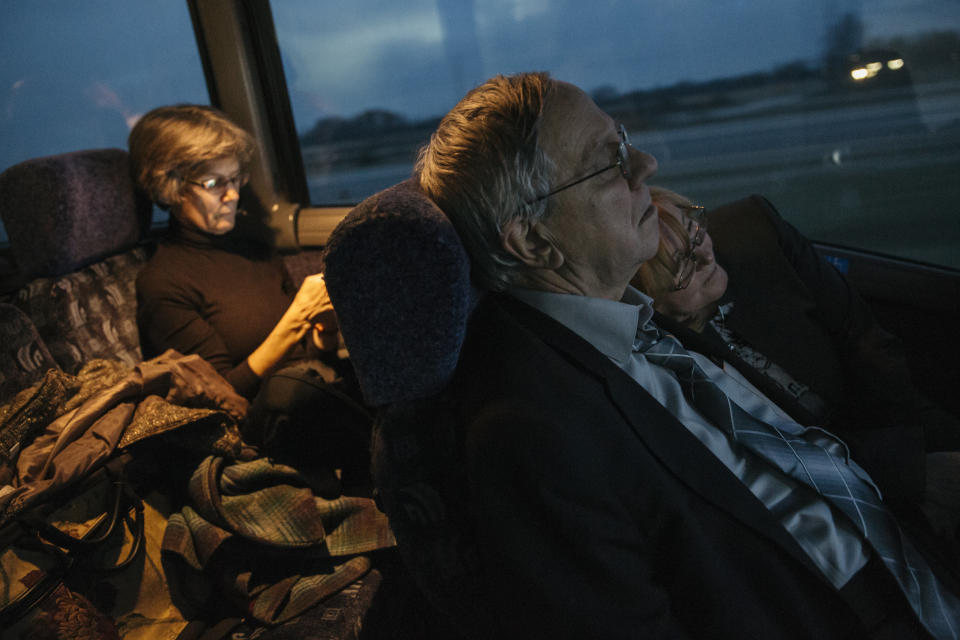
845 114
76 75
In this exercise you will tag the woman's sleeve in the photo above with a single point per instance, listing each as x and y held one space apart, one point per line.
169 318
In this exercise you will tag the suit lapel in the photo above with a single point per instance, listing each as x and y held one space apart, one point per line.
667 439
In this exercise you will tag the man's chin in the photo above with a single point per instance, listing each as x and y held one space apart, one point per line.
650 248
649 212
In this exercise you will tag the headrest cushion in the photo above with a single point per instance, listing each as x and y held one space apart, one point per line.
399 279
63 212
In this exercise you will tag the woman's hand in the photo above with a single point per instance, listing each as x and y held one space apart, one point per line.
326 332
311 309
317 308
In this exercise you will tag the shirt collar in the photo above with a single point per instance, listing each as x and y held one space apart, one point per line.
610 326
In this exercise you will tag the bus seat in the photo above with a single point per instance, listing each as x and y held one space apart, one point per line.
74 221
66 211
399 279
24 357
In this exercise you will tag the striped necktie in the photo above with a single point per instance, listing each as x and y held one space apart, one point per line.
803 455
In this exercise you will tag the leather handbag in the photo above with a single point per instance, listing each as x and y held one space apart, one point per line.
95 528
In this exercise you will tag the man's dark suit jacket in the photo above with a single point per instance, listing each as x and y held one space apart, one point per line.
598 515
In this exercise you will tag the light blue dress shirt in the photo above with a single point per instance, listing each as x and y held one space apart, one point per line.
831 541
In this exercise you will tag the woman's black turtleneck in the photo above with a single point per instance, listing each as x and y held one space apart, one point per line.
216 296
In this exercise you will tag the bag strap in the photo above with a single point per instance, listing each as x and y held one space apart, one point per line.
35 594
31 531
120 502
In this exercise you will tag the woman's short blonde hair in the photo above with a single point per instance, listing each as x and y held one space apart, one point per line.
656 276
171 144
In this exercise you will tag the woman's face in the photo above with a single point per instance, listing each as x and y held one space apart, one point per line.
211 207
709 279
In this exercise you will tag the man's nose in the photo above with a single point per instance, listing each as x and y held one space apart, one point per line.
230 194
642 167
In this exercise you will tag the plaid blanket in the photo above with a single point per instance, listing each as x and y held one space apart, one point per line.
258 530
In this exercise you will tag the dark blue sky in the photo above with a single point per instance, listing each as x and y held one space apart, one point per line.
75 74
342 60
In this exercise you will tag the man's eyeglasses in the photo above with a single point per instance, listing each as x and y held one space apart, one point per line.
623 161
218 185
687 263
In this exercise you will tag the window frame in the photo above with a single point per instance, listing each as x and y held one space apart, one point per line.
238 45
241 59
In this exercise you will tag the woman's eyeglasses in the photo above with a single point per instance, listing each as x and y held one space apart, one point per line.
218 185
687 263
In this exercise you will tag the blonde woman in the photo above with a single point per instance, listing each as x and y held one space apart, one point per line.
208 290
743 285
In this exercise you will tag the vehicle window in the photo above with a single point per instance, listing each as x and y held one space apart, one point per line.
76 75
845 114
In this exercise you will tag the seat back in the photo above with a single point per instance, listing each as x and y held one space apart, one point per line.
24 357
74 221
399 279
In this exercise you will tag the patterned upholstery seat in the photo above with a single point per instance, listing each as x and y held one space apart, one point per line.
24 357
74 221
90 313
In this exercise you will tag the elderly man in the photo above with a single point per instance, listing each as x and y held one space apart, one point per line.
624 487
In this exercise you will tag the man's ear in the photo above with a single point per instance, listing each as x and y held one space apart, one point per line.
531 244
